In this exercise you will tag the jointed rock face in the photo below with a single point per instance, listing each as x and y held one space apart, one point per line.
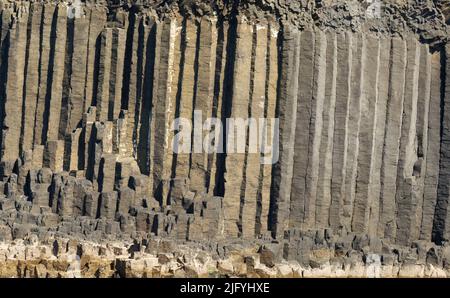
89 91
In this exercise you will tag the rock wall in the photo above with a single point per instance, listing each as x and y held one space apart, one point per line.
89 91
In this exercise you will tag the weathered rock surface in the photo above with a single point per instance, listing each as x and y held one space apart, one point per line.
54 255
89 91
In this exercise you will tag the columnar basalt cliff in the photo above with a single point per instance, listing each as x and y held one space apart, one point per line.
89 91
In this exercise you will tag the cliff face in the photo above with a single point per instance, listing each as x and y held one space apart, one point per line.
89 91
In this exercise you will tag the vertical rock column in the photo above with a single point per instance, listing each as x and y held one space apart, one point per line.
299 195
441 223
316 125
218 98
340 139
116 76
287 113
366 157
107 169
78 75
143 117
86 136
185 95
423 107
5 20
12 103
54 155
138 88
203 99
406 197
74 150
58 38
357 88
392 138
235 160
98 141
270 140
309 116
97 19
4 48
104 74
47 47
433 149
73 104
380 125
176 48
163 109
323 197
256 108
31 83
133 68
130 94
